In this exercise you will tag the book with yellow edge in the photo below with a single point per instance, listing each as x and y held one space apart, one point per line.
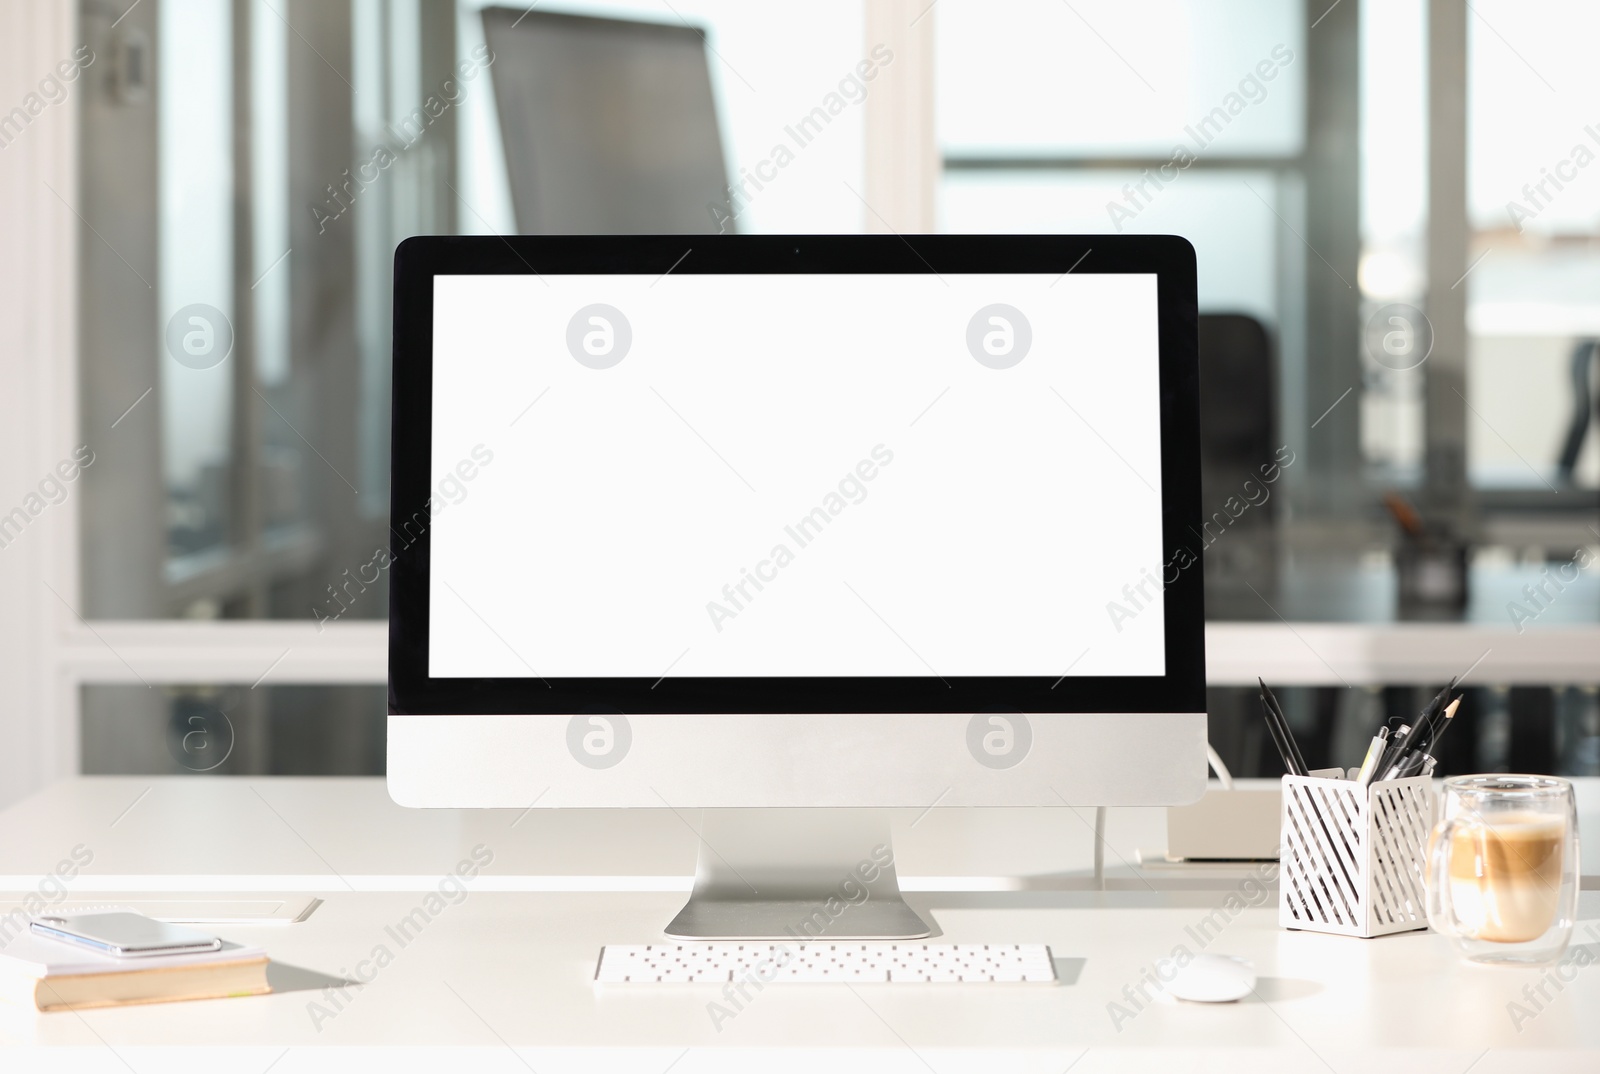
53 976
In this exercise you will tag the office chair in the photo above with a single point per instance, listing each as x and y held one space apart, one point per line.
1238 427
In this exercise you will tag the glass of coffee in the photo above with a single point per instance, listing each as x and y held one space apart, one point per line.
1503 867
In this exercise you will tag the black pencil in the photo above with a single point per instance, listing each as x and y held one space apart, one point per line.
1442 725
1277 739
1283 727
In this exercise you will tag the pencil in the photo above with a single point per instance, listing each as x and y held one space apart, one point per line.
1277 739
1300 767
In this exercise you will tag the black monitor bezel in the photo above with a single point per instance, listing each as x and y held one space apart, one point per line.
418 260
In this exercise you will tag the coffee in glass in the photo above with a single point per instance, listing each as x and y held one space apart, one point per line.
1502 867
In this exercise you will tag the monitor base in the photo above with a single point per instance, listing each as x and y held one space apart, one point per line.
777 919
796 874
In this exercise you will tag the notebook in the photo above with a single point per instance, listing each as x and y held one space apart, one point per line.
52 975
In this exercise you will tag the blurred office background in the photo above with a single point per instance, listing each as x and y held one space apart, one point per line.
1393 204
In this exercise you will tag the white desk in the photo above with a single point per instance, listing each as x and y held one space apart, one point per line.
502 978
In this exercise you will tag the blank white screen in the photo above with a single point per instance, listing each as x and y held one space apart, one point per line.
607 522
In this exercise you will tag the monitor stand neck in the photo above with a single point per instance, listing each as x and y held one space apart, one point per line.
796 874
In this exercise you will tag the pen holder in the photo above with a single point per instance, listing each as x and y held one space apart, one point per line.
1352 859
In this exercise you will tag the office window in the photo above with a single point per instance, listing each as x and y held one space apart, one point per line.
196 270
247 172
234 278
1187 117
1534 286
1394 223
1099 79
233 389
251 479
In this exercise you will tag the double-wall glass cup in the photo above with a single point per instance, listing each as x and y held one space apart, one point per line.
1503 867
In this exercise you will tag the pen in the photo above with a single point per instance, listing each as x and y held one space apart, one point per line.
1412 764
1421 761
1401 741
1300 768
1411 735
1392 752
1402 761
1415 760
1375 752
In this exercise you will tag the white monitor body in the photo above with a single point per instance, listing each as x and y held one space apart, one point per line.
562 634
857 760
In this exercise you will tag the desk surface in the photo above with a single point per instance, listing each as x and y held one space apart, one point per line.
507 967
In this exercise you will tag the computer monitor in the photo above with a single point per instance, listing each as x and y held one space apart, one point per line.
795 522
608 125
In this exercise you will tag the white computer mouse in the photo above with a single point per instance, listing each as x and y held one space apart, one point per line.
1213 979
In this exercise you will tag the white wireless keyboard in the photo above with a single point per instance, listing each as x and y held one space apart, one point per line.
822 962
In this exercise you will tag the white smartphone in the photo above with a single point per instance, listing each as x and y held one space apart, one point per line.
124 934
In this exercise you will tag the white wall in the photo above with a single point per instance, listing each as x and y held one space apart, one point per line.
37 388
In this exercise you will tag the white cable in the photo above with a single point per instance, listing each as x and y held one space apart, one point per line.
1100 818
1100 848
1219 768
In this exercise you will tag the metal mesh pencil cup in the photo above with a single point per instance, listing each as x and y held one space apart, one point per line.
1353 858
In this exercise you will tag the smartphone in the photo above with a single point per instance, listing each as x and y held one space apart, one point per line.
125 934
